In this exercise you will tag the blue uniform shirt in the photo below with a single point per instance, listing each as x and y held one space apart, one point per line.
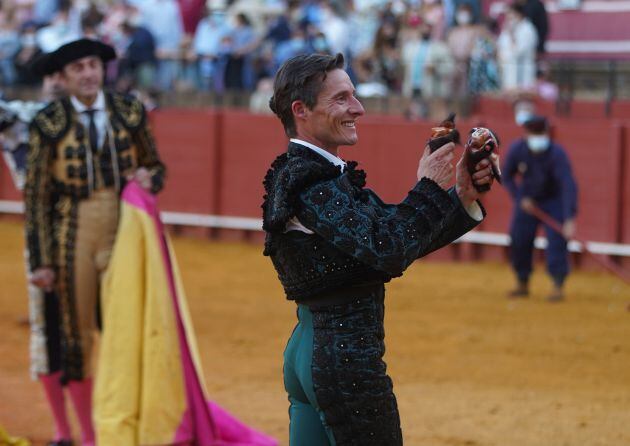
544 176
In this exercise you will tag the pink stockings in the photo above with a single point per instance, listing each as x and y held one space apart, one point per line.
56 400
81 395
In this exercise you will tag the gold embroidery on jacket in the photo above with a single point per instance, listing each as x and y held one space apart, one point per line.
52 120
130 111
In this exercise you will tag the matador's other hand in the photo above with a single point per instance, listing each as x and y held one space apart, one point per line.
43 278
437 166
142 177
465 182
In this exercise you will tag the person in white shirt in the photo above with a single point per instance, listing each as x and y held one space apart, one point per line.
206 47
516 48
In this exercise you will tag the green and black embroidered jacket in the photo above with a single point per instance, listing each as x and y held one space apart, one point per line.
61 168
358 239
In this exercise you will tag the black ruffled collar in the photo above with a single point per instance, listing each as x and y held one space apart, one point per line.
290 174
357 176
297 149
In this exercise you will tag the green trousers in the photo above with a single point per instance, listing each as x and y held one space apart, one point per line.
307 424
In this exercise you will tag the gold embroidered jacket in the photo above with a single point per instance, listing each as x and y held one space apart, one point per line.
61 165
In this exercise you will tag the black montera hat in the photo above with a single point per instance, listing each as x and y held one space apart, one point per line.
41 65
55 61
536 124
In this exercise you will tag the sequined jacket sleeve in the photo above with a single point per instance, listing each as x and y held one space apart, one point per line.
134 117
38 201
386 237
148 156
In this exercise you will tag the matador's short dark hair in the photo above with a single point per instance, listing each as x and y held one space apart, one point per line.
300 78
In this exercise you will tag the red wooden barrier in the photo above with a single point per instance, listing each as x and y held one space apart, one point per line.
594 152
625 191
7 190
217 160
625 188
620 110
250 143
188 143
587 109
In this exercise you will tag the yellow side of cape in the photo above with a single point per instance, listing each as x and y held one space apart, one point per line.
139 396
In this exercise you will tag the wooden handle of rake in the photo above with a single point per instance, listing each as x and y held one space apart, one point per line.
602 260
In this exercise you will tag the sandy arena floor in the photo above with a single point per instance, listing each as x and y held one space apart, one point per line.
469 367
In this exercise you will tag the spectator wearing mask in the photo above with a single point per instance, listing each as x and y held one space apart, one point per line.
451 7
433 14
295 46
111 27
380 65
278 27
61 30
206 47
428 69
335 27
163 19
319 44
483 70
28 52
461 40
91 22
517 45
238 70
536 12
362 27
9 45
139 60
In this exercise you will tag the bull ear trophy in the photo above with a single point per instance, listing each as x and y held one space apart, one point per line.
444 133
483 143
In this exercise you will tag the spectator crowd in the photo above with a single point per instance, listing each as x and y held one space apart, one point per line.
426 51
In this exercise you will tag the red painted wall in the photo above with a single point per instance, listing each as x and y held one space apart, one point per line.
217 160
232 163
188 142
250 143
7 190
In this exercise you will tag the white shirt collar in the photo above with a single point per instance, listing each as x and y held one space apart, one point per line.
329 156
80 107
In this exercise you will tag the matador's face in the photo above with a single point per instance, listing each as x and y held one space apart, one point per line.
84 77
332 121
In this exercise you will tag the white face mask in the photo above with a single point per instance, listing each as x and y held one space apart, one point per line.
463 18
217 18
538 143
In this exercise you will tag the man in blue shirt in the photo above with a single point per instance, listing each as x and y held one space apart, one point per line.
537 172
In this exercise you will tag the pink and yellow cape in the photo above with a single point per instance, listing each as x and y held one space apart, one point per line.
149 383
